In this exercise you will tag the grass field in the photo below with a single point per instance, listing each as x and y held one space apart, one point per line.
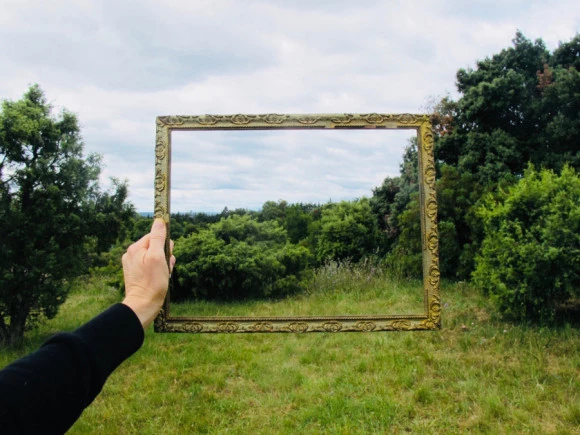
478 374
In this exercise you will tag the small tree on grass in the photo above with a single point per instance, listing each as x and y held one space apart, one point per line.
51 210
530 256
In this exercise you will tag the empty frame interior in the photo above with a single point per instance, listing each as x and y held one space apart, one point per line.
202 160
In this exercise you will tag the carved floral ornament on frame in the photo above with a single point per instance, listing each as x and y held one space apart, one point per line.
428 319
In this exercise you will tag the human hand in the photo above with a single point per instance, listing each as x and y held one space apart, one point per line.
146 273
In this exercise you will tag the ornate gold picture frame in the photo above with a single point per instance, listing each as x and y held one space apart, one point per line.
429 320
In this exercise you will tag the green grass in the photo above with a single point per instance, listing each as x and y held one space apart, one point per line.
478 374
337 288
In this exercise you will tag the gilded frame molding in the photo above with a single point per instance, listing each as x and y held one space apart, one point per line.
429 320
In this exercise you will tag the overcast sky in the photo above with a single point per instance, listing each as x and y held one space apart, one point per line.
119 64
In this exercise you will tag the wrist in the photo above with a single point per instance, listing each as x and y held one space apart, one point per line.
144 310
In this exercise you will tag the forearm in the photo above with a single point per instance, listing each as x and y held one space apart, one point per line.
46 392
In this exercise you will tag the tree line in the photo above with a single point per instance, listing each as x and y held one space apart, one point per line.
507 154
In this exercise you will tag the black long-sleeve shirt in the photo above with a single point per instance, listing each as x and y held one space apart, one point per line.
46 391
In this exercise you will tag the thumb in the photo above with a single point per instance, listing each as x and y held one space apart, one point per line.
158 235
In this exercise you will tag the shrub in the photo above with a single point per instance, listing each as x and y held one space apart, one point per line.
347 230
239 258
530 256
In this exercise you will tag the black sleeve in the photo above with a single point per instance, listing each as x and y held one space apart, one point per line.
46 391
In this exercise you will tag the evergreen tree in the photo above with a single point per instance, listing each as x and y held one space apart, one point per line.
51 210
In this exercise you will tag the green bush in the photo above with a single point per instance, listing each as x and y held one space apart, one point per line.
108 265
405 260
530 256
239 258
347 230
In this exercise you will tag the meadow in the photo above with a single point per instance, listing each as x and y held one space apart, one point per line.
478 374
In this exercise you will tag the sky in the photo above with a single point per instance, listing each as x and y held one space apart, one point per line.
119 64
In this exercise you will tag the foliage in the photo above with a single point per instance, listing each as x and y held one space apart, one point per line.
519 106
272 210
297 223
383 206
347 230
395 204
561 111
239 258
530 256
295 218
51 209
110 216
183 224
460 230
108 265
405 260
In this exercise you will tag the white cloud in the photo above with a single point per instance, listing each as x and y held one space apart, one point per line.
244 168
118 66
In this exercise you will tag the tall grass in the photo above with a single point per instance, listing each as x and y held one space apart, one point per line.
367 286
478 374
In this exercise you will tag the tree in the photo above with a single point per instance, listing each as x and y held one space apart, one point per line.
519 106
459 229
391 198
272 210
405 257
347 230
495 127
51 209
382 203
530 256
110 215
560 107
396 206
297 222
